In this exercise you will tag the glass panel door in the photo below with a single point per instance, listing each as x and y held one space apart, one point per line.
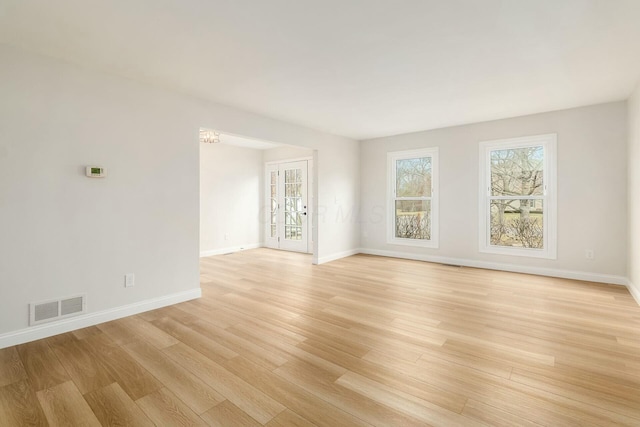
286 209
271 207
294 217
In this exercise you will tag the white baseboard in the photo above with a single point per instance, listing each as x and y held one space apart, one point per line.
47 330
540 271
230 249
338 255
634 291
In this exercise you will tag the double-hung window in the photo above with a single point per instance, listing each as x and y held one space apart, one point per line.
518 196
413 197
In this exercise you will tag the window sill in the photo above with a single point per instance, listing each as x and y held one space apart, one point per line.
514 251
413 242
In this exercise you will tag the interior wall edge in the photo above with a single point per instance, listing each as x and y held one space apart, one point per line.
337 255
634 291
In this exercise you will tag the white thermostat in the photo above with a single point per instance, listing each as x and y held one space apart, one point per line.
96 172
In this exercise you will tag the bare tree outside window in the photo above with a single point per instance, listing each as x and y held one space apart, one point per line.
413 193
516 204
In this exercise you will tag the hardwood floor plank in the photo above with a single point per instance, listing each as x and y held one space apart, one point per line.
590 392
83 367
227 414
113 407
63 405
199 396
493 416
86 332
246 397
130 329
42 365
238 344
11 367
288 418
215 315
118 332
294 397
403 402
399 376
267 332
147 331
129 374
195 340
529 403
61 339
19 405
318 383
173 311
165 409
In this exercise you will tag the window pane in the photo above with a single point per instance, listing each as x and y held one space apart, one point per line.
292 233
413 219
517 171
273 231
273 178
517 223
413 177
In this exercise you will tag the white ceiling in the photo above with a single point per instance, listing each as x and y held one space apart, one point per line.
358 68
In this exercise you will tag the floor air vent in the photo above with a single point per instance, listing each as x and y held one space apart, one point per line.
49 311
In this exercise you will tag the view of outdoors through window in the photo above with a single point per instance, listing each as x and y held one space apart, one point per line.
413 198
516 200
293 210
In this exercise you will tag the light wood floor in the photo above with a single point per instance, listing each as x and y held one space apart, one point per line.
360 341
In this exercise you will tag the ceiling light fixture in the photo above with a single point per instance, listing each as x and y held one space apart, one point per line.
209 136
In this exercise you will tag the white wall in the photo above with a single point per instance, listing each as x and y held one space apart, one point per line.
338 201
592 196
230 198
285 152
633 165
62 233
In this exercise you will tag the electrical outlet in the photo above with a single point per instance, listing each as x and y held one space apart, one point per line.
129 280
589 254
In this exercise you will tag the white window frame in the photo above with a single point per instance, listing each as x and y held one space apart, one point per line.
549 198
392 157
